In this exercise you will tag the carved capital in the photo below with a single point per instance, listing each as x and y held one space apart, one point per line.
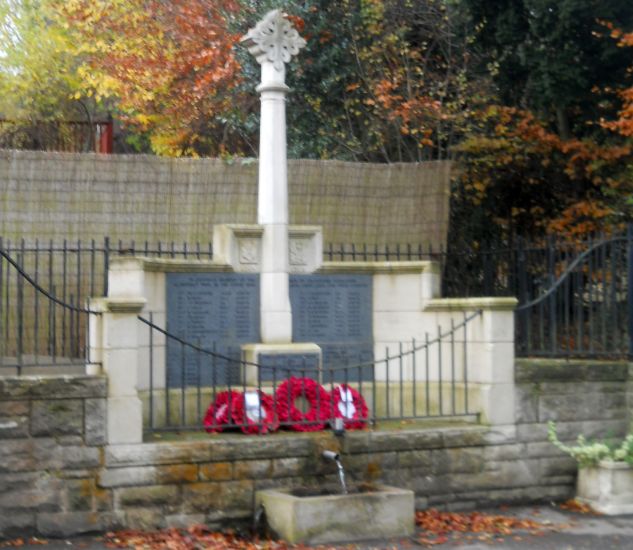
274 39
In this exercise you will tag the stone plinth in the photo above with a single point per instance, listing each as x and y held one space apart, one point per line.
300 359
607 488
240 246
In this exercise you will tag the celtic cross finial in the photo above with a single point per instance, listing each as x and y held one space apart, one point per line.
274 39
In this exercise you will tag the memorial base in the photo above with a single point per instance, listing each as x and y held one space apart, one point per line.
267 363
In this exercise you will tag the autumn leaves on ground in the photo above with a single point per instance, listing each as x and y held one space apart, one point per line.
434 528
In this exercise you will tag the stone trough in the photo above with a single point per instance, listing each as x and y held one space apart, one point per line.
377 512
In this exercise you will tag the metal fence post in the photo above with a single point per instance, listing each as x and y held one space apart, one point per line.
629 285
106 264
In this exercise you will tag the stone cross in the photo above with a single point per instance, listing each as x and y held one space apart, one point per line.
273 42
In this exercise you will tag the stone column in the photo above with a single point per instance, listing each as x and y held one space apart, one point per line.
490 352
273 42
115 343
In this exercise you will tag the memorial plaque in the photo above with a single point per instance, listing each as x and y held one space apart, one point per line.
335 312
286 365
215 311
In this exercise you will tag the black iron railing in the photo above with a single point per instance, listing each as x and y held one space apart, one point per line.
44 286
585 311
427 379
50 336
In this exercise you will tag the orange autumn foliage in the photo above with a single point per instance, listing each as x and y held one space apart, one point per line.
535 182
167 66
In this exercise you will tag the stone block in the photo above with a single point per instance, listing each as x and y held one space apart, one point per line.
69 440
541 370
557 466
389 441
397 292
290 467
43 496
14 408
95 421
253 469
216 471
463 437
542 449
459 460
526 403
79 495
356 442
148 475
425 439
75 458
14 426
166 453
217 519
19 481
150 496
497 403
121 366
504 452
532 432
57 417
43 387
182 521
65 524
124 420
213 496
20 455
569 407
144 519
16 524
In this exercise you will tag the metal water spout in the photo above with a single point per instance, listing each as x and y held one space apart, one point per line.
331 455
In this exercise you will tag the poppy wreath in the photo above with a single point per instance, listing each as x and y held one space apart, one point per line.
316 417
218 415
251 422
349 405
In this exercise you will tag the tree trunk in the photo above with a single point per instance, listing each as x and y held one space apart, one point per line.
562 121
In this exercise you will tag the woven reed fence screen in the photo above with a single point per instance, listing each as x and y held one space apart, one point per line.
143 198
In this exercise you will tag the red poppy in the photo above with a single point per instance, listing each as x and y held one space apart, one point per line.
349 405
219 415
318 413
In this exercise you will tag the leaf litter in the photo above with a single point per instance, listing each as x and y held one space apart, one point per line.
438 526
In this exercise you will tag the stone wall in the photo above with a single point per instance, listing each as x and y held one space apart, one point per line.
143 198
57 478
52 432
